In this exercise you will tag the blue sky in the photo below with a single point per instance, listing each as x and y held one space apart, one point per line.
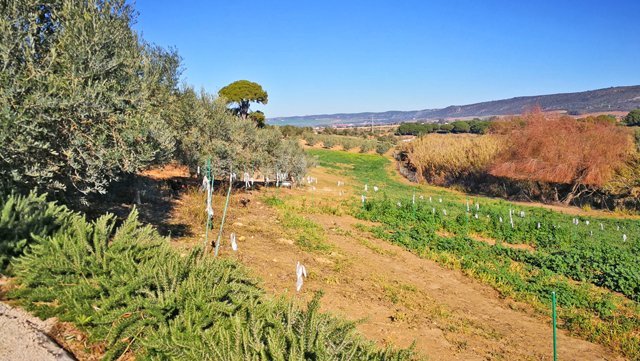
333 56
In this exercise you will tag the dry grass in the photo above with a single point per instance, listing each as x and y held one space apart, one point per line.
441 159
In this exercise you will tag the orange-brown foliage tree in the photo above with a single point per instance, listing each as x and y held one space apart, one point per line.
564 151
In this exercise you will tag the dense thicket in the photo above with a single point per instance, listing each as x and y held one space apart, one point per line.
84 101
132 292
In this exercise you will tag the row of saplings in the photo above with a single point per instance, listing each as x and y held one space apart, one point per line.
131 292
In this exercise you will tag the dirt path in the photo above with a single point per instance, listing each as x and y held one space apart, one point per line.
24 337
400 297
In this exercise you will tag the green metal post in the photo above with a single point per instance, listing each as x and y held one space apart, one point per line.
555 350
224 216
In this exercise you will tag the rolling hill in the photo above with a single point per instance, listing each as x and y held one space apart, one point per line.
622 98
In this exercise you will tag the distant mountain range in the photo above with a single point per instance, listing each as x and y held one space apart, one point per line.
622 98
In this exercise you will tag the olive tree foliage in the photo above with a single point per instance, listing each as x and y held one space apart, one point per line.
234 144
80 96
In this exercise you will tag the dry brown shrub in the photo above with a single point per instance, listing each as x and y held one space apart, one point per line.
445 158
562 150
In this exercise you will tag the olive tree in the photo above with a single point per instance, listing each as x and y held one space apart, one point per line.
77 92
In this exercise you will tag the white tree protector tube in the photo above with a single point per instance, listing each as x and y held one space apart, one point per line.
301 272
234 244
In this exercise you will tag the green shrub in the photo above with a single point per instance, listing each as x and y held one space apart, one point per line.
383 147
311 139
632 118
24 217
366 146
348 143
328 142
126 287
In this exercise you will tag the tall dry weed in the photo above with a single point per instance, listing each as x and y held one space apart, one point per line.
444 158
